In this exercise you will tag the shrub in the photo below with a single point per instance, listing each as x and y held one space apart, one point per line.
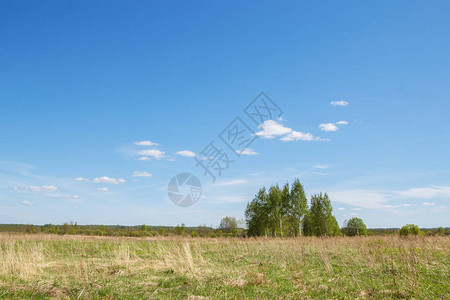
354 226
410 229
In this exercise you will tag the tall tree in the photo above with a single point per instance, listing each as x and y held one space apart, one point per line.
274 208
285 205
299 206
322 221
256 214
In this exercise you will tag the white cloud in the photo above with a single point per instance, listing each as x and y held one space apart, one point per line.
321 166
360 198
341 122
271 129
143 158
341 208
433 191
27 203
230 182
141 174
398 205
356 208
186 153
328 127
62 196
339 103
157 154
145 143
247 151
103 189
105 179
82 179
39 189
298 136
382 200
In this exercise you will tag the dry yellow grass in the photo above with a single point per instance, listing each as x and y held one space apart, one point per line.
81 267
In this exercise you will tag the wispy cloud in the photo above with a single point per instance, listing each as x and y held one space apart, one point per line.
49 191
143 158
106 179
230 182
39 189
339 103
145 143
155 153
26 203
103 179
103 189
186 153
385 199
430 192
247 151
141 174
321 167
341 122
298 136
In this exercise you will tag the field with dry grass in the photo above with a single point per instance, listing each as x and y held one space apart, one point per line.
78 267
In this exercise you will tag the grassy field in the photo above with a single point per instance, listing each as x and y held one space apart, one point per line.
77 267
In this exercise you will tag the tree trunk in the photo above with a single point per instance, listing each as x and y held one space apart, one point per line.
281 227
300 227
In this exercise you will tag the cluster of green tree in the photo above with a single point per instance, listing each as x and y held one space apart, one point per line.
279 211
284 211
410 229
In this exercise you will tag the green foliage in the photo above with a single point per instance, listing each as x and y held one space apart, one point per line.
354 226
228 225
333 227
285 211
298 208
321 222
257 214
410 229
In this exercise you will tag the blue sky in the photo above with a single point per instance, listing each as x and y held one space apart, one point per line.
82 82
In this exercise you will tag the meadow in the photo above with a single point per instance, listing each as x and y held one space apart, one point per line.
42 266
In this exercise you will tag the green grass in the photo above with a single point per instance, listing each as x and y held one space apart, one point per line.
75 267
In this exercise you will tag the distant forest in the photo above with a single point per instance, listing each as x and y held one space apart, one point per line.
148 231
